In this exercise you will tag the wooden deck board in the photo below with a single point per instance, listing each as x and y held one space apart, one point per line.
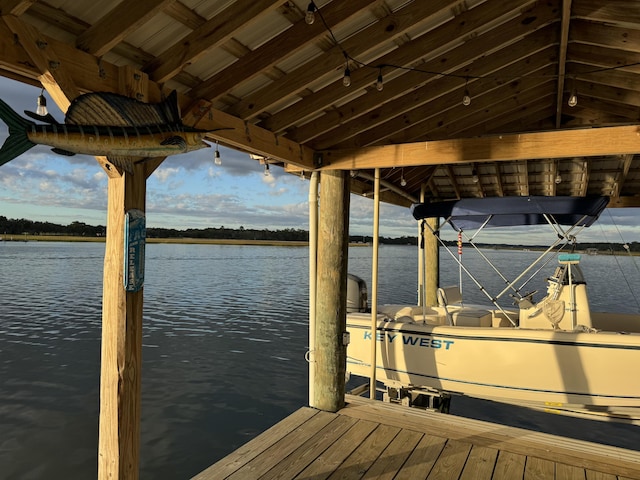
480 464
374 440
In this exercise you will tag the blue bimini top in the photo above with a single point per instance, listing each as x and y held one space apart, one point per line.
472 213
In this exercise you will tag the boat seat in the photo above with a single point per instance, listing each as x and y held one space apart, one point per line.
460 315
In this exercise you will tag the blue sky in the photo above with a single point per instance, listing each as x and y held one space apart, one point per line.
189 191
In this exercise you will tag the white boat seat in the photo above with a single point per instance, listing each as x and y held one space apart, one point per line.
460 315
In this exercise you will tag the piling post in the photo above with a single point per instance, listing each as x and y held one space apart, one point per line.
432 263
121 350
333 243
121 362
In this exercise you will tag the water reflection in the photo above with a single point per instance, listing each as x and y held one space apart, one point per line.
224 335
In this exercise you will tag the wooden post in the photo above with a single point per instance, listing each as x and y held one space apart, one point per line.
374 284
121 362
432 263
333 243
120 376
314 181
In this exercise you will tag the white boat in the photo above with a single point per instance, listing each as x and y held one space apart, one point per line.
555 354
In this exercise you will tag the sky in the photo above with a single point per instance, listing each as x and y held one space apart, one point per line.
190 191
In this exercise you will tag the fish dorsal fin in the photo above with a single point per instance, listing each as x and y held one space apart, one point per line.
112 109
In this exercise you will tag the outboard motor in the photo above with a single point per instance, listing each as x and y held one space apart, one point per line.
356 294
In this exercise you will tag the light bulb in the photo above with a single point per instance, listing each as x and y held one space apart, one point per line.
379 84
475 178
267 173
41 109
573 100
466 99
310 16
558 179
346 80
403 182
217 160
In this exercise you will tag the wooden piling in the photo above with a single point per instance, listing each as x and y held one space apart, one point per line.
120 376
432 263
333 242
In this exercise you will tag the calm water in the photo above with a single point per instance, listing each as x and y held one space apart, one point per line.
225 333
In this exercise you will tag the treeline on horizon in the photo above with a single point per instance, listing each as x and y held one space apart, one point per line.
23 226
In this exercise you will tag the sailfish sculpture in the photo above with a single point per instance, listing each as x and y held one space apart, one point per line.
120 128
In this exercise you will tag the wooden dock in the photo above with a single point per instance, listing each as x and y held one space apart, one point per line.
376 440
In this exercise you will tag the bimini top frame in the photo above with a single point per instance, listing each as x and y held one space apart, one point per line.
479 213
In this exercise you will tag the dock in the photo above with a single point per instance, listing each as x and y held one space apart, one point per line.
376 440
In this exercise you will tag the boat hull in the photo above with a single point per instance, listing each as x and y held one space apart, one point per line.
541 368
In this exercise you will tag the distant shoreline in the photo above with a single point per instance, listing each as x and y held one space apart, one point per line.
194 241
204 241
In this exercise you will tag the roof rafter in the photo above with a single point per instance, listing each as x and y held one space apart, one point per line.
562 49
408 54
441 94
387 29
211 34
296 37
111 29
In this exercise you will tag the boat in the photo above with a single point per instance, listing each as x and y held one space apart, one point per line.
555 354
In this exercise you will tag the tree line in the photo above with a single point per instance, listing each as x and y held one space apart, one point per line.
23 226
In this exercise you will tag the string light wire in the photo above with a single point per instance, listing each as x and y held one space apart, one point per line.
466 77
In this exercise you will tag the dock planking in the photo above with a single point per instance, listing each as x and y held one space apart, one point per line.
375 440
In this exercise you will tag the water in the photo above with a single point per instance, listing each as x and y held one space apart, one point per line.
224 338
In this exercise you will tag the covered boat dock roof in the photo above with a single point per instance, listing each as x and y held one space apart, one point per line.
277 81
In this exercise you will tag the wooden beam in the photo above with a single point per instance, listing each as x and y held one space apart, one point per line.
615 12
54 74
248 137
556 144
113 27
384 30
90 74
213 33
431 101
289 42
333 242
465 24
562 57
402 94
15 7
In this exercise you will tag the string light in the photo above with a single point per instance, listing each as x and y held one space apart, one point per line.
267 173
216 156
41 108
310 16
573 98
403 182
346 79
558 179
466 99
379 84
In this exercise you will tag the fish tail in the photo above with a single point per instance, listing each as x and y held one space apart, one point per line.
17 142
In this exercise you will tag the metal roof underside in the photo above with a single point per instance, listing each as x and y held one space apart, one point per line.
259 68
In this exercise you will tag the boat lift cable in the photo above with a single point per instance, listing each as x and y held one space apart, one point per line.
624 276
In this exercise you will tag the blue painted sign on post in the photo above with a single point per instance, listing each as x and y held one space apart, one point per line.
134 241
